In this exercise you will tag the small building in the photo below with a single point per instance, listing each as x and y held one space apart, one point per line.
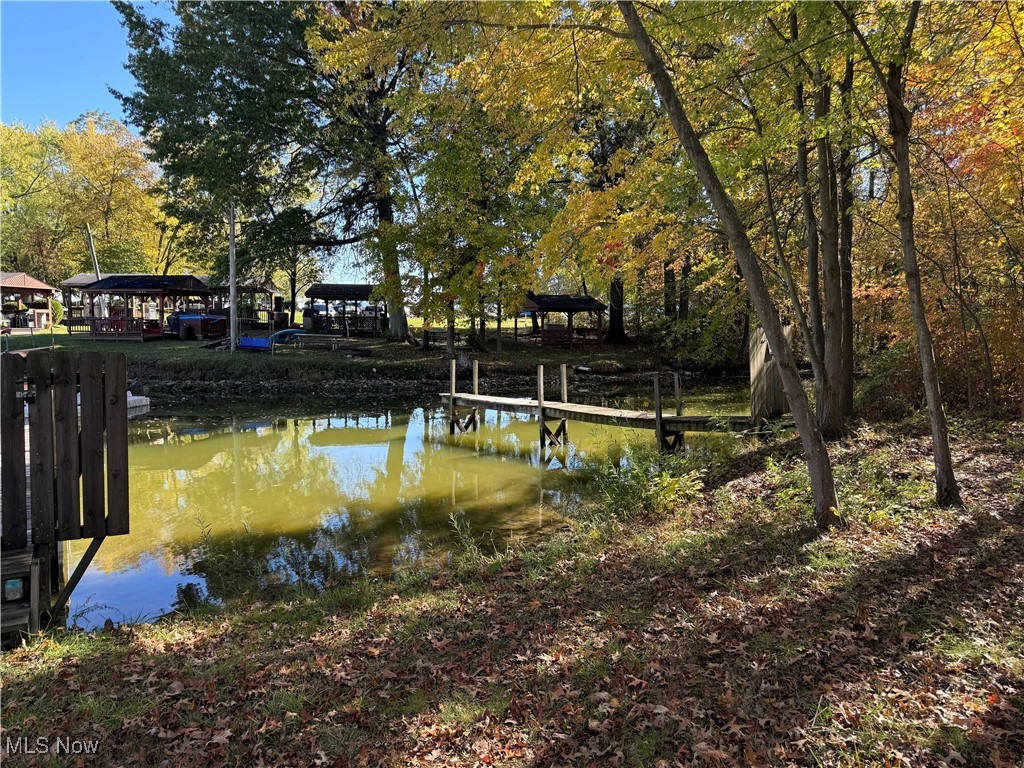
27 302
557 316
140 306
349 309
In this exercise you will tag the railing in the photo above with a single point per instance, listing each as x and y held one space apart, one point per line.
136 328
350 325
249 317
570 337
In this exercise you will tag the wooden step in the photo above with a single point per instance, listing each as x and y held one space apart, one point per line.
14 616
15 563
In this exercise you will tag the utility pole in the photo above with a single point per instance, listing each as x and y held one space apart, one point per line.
232 297
95 266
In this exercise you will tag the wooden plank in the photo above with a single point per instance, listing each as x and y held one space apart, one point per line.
115 387
40 426
12 453
33 597
65 422
90 375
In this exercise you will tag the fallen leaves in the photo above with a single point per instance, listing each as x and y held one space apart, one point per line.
759 647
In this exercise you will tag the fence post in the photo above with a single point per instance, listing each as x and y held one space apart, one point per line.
679 393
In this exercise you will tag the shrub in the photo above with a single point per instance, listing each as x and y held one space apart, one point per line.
57 310
891 389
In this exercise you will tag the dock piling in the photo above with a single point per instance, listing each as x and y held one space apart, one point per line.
476 377
679 393
659 427
540 405
565 384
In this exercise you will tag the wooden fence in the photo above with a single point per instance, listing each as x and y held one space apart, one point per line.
65 477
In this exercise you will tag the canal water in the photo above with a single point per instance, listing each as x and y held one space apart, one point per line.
222 506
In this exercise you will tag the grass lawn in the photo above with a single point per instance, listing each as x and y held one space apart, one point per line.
689 615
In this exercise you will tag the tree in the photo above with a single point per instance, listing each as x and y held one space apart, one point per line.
234 104
893 81
822 483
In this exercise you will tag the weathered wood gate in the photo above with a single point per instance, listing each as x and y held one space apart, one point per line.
63 471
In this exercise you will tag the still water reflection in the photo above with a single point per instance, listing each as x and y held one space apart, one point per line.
230 505
222 507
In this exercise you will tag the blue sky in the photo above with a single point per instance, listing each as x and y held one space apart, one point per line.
57 60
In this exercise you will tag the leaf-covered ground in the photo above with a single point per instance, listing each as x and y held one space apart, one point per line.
723 633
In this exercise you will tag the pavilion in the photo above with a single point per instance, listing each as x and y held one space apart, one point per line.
36 295
571 333
139 305
349 318
260 303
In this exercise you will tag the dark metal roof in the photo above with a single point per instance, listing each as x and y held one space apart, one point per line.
340 291
562 302
85 279
180 285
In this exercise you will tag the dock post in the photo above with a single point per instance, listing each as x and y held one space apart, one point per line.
476 377
679 393
659 430
565 384
451 400
540 407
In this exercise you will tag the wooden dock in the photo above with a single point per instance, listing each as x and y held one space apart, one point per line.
596 414
668 429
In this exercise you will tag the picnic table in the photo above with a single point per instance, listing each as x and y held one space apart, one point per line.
435 336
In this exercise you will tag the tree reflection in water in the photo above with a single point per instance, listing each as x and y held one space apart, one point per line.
233 507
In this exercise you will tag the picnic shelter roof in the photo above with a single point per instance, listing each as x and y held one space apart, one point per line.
20 282
85 279
171 285
340 291
562 302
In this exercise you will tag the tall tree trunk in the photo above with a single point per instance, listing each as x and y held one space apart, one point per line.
826 512
684 290
892 81
497 321
616 319
830 415
846 239
810 219
398 324
670 291
450 340
947 493
293 289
